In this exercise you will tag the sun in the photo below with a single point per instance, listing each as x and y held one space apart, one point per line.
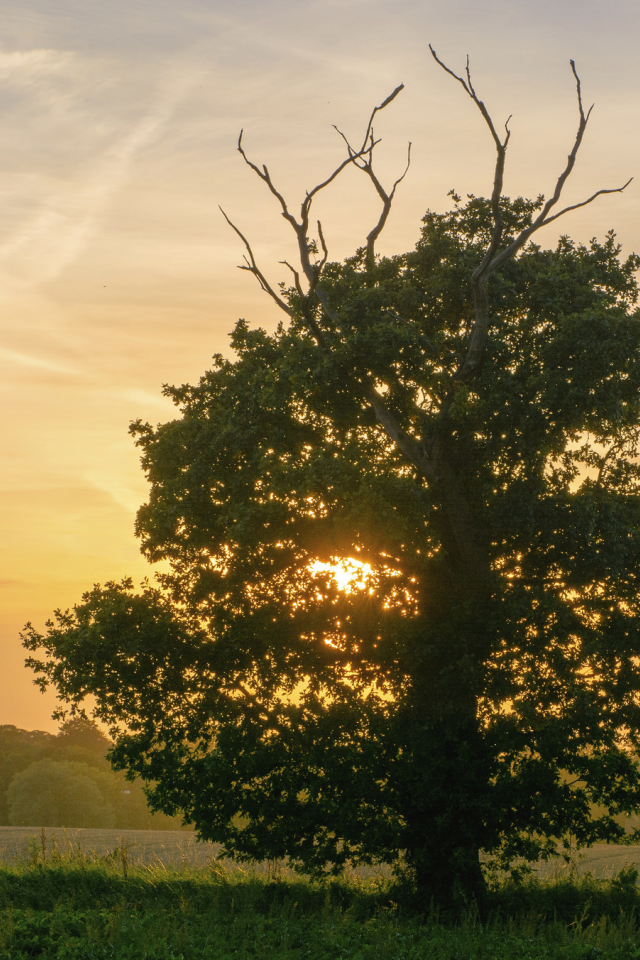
349 574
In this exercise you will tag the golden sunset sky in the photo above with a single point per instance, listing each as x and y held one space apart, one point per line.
119 124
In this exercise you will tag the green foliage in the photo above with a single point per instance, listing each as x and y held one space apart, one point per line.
67 780
81 733
57 794
479 689
18 749
71 911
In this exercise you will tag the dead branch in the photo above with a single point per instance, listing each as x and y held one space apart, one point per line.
252 267
306 205
493 258
296 277
583 203
312 270
385 103
545 217
363 160
266 178
468 87
480 274
387 200
301 227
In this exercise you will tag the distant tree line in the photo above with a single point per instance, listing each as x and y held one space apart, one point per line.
65 780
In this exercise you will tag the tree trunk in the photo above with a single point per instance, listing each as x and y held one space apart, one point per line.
446 815
447 799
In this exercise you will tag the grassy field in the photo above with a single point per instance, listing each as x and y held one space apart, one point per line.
145 847
181 848
164 848
76 901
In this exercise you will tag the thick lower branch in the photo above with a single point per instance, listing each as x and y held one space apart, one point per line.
469 563
477 341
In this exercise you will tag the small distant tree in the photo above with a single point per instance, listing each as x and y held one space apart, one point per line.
18 749
58 793
82 744
82 733
458 427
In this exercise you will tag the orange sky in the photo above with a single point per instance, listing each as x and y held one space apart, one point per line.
117 273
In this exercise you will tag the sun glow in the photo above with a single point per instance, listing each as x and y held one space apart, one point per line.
348 574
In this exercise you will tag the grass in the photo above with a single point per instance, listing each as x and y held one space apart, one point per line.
71 904
172 848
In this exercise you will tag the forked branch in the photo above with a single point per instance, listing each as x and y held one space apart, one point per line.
312 269
387 200
301 227
252 267
363 160
498 177
493 256
545 216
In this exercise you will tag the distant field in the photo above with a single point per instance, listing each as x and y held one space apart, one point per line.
175 848
144 847
168 847
603 860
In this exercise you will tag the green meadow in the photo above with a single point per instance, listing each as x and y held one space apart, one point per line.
160 898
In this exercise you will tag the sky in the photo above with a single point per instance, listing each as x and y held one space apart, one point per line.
119 123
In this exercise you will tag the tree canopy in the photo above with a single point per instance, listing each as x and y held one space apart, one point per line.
403 530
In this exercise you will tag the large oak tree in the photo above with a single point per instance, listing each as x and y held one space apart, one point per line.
457 426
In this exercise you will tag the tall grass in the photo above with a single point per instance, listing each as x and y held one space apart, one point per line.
72 904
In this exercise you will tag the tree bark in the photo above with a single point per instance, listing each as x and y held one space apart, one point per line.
446 812
447 800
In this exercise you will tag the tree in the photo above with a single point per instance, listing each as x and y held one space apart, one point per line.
58 793
18 749
79 749
82 734
458 427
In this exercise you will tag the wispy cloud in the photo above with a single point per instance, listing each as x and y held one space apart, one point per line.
26 67
55 235
110 479
144 398
48 76
14 357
